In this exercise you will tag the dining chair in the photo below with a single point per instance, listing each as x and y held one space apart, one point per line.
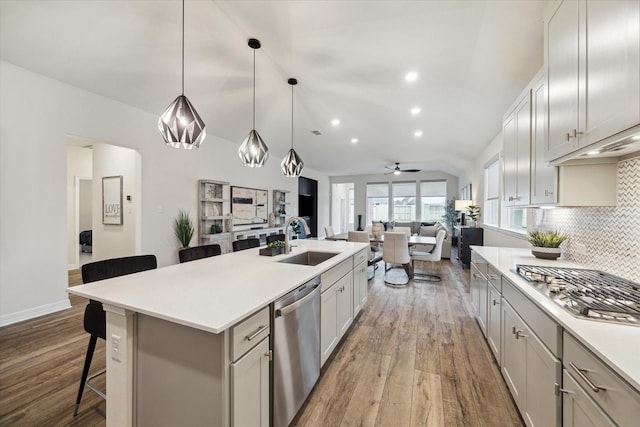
243 244
198 252
275 238
403 229
396 251
434 256
328 231
95 322
373 258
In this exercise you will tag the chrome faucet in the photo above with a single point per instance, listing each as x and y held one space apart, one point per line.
287 248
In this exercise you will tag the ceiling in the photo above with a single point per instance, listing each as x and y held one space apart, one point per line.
472 58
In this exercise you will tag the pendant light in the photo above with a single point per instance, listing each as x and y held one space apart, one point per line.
180 125
292 164
254 152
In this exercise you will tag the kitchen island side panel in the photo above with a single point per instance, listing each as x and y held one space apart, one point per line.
180 377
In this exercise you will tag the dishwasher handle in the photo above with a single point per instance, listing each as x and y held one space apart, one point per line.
302 301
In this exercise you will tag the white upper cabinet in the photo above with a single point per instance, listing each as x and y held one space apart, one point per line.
592 61
543 177
517 152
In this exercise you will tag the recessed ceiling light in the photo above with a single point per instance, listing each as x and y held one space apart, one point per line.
593 153
417 133
415 110
354 140
635 138
335 122
411 76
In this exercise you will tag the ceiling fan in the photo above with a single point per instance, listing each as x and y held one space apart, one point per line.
398 171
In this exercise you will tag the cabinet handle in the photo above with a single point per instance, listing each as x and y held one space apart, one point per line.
548 193
256 333
511 198
581 373
513 330
519 334
576 133
568 136
558 390
495 302
493 277
476 276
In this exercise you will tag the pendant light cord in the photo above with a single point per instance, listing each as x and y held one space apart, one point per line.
254 88
292 117
182 47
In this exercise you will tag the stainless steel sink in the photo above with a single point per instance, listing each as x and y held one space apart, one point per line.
309 258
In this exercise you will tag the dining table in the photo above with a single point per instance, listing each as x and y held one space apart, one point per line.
413 240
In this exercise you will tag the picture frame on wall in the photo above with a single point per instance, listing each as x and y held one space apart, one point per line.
249 206
465 192
112 200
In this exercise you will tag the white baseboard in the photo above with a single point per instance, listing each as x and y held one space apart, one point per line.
8 319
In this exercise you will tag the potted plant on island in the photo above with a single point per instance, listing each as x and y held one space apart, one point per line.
273 248
183 227
546 244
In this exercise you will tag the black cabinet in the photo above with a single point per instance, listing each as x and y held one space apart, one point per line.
468 236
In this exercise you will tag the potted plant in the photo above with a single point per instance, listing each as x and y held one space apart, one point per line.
450 216
546 244
183 227
273 248
474 214
216 228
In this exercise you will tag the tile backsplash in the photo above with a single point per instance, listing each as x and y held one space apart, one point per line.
610 235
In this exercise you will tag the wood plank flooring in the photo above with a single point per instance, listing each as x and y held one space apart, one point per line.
414 357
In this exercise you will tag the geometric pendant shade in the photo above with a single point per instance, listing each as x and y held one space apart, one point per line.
292 164
253 152
181 126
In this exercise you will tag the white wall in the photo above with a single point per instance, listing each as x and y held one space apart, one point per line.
85 218
79 164
36 115
115 240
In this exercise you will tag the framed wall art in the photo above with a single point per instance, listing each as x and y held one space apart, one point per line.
112 200
249 206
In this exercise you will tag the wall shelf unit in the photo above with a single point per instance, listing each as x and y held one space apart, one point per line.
280 207
214 204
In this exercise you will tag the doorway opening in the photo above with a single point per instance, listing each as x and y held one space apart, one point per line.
343 207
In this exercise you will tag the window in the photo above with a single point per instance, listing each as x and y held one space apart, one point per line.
433 199
491 214
404 201
378 202
515 219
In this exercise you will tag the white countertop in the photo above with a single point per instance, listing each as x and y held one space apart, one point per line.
617 345
214 293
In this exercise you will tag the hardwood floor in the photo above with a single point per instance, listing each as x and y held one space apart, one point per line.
414 357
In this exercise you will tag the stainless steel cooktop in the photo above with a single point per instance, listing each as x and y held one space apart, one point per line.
590 294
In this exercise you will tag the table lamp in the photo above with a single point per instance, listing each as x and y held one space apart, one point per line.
462 206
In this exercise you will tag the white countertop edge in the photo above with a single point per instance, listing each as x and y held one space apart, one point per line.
298 274
609 341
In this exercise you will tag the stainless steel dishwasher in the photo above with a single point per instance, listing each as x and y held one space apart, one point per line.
296 350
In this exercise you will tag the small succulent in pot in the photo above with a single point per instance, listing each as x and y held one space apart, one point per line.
546 244
276 244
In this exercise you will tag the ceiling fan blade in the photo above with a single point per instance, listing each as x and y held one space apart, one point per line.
410 170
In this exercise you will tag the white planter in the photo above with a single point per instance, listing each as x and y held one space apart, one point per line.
546 253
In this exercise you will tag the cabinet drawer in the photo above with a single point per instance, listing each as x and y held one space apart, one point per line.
246 334
493 276
330 277
549 332
479 263
619 400
360 257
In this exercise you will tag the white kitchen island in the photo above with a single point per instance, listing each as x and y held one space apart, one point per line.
169 330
